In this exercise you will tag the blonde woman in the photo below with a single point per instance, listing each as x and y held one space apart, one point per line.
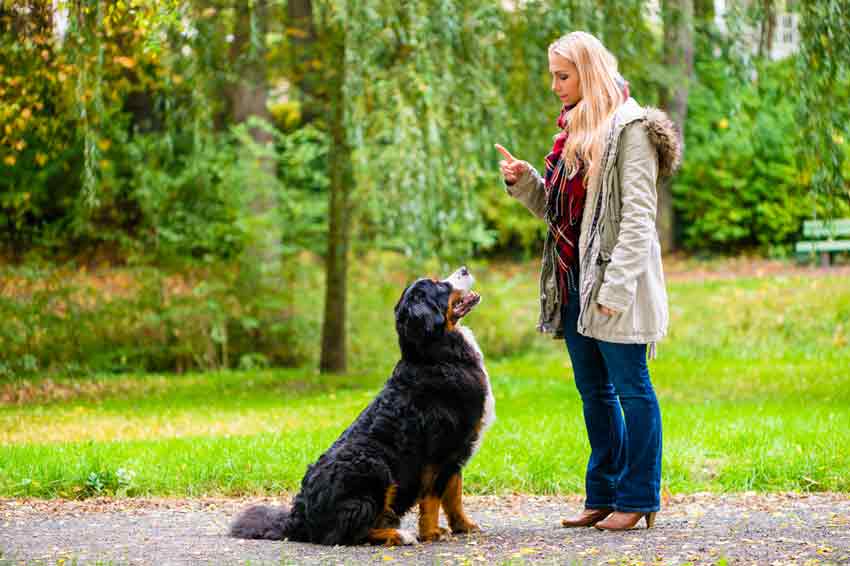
602 285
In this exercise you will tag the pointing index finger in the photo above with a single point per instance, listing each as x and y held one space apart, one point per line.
505 152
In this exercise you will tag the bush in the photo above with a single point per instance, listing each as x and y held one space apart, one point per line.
740 186
143 319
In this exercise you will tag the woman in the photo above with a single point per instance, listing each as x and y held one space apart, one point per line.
601 284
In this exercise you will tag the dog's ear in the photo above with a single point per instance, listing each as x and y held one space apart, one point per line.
418 317
400 300
424 318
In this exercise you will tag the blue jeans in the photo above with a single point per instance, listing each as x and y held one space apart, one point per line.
624 470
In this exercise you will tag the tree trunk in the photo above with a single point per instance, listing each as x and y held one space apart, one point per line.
333 357
248 98
767 27
303 45
321 95
679 57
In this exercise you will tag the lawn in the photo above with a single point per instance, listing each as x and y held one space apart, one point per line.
754 386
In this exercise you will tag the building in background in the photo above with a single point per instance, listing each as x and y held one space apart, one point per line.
776 33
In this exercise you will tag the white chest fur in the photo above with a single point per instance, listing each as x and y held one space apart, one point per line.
489 402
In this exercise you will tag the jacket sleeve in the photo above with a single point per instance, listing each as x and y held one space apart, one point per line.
638 172
530 190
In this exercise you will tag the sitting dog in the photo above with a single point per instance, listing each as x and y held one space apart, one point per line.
408 446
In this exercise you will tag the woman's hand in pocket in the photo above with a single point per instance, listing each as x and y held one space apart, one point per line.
606 311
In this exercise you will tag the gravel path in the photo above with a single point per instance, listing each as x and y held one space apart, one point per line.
779 529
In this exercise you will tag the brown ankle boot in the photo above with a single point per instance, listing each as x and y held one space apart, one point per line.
622 521
586 518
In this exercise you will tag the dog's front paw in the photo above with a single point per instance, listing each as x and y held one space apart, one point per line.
464 527
406 537
441 533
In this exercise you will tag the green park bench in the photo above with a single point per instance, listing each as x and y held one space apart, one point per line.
823 238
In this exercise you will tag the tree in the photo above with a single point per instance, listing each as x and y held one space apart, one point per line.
824 78
334 350
767 27
678 56
247 94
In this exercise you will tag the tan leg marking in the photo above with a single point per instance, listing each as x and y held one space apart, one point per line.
429 519
453 507
388 518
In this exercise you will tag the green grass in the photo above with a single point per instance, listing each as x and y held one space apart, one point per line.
754 386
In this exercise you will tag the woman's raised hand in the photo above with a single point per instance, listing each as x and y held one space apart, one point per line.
512 168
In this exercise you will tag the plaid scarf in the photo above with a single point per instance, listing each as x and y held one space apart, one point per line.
565 194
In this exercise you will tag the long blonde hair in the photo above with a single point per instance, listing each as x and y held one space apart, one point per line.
588 122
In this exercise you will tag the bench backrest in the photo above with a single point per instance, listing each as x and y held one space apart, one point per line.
826 228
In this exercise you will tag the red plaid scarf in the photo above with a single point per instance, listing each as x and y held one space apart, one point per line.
565 195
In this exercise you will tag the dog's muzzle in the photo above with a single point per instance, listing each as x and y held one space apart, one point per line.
462 281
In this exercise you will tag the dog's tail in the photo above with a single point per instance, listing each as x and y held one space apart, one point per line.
263 522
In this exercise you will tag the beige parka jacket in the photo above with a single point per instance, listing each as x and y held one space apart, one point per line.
619 252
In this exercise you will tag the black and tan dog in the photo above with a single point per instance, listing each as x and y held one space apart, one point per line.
408 446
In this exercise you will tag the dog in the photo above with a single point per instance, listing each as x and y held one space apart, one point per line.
408 447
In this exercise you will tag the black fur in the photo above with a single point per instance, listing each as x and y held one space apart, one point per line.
426 417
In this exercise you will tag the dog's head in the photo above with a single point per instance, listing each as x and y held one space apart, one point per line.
428 309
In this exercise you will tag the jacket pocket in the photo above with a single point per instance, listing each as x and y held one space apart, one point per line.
603 258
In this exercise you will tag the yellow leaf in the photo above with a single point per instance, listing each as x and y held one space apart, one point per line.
297 33
41 159
26 113
9 160
126 62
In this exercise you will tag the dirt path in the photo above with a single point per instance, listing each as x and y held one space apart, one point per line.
697 529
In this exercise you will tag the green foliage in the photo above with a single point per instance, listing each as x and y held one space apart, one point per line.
303 172
747 181
38 150
425 105
824 115
62 322
187 204
739 186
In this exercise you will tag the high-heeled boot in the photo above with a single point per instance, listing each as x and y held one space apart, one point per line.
623 521
586 518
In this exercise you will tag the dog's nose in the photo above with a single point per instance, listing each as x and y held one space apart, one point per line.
463 271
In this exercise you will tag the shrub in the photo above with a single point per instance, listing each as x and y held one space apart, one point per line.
740 186
144 319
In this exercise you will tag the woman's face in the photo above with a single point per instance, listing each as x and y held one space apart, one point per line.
565 82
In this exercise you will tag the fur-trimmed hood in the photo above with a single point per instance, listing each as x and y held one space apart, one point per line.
663 133
665 136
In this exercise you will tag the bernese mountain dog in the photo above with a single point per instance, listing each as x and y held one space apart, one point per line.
408 446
